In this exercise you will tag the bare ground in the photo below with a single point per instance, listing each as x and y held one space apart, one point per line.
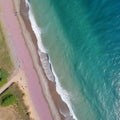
8 113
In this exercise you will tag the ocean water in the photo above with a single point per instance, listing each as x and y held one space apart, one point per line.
82 39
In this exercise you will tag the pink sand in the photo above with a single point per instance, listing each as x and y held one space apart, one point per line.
13 29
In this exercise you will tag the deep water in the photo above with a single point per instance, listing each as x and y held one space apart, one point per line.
82 38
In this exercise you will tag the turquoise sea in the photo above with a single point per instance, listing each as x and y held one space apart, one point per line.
82 38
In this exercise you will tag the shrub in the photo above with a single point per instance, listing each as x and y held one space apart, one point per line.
7 100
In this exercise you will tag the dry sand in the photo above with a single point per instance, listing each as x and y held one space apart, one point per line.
11 113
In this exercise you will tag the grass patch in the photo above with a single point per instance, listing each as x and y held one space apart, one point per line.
14 96
5 59
3 77
7 100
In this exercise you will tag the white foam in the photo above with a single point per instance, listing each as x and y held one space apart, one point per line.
62 92
35 28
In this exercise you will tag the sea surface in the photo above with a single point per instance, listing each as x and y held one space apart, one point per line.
82 39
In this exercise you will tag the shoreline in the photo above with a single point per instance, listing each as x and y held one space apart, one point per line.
45 100
47 68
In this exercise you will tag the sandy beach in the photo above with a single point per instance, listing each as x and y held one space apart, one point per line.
23 58
39 90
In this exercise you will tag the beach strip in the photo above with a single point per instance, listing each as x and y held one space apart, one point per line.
53 98
23 59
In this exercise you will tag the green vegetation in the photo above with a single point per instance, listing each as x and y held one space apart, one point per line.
6 65
3 77
5 60
14 96
7 99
